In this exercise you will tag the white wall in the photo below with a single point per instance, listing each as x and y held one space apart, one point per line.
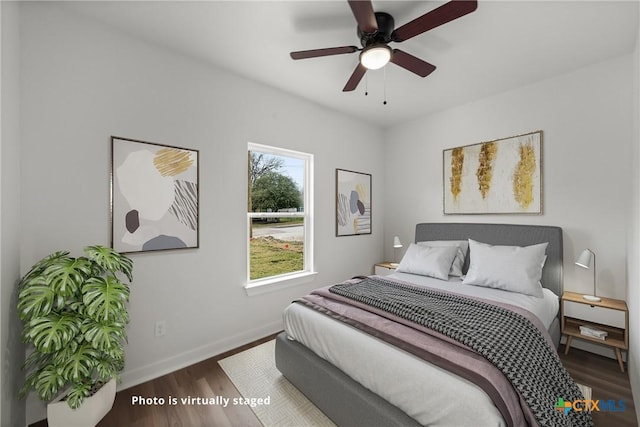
586 119
81 83
12 355
633 268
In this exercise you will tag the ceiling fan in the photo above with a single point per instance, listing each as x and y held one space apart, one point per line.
376 31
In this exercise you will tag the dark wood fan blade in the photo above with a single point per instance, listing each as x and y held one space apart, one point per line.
441 15
314 53
355 78
411 63
365 17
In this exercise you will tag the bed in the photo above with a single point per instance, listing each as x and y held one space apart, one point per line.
361 377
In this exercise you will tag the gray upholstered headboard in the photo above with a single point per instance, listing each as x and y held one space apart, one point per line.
504 234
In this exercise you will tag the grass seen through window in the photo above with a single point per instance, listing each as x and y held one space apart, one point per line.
272 257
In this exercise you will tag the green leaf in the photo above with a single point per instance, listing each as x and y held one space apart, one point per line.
116 355
104 335
110 260
80 364
106 298
40 266
53 332
77 393
35 300
48 382
36 358
67 275
29 384
61 357
108 368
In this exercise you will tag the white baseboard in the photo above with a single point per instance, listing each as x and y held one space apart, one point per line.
188 358
36 410
634 378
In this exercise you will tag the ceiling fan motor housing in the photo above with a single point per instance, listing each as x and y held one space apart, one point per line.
383 35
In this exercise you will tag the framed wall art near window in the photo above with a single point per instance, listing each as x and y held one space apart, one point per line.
495 177
154 196
353 203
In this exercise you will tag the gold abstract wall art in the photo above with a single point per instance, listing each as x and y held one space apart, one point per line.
495 177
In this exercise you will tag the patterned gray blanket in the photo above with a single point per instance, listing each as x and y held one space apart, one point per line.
505 338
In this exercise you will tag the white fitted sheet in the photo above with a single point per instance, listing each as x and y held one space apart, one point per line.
427 393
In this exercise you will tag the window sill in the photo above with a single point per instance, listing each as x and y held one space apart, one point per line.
273 284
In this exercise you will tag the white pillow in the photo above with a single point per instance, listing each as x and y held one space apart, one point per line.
428 261
511 268
458 262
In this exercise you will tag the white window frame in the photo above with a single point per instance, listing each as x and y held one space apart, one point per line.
281 281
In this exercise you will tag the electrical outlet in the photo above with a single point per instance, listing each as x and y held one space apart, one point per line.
161 328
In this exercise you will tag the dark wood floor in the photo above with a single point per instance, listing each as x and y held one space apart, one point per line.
607 382
208 379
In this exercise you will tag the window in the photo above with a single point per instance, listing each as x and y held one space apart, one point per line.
279 217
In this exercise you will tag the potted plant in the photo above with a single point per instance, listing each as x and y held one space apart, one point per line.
75 314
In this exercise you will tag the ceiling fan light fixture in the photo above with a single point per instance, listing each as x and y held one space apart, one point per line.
375 57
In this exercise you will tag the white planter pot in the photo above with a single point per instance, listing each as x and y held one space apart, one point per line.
92 410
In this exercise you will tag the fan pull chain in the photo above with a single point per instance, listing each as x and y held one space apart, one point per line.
385 86
366 85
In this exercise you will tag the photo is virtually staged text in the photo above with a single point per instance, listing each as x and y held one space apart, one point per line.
198 400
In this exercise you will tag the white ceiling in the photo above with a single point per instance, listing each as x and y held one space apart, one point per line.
500 46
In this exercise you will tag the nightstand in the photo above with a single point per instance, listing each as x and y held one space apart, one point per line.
384 268
617 337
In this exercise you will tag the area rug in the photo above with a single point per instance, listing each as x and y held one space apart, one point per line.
586 391
255 375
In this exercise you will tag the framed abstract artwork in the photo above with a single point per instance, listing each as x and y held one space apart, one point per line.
353 203
495 177
154 196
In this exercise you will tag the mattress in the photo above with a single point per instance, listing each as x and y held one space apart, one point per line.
399 377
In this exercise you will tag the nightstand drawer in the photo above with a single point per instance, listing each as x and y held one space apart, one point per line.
603 315
384 268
